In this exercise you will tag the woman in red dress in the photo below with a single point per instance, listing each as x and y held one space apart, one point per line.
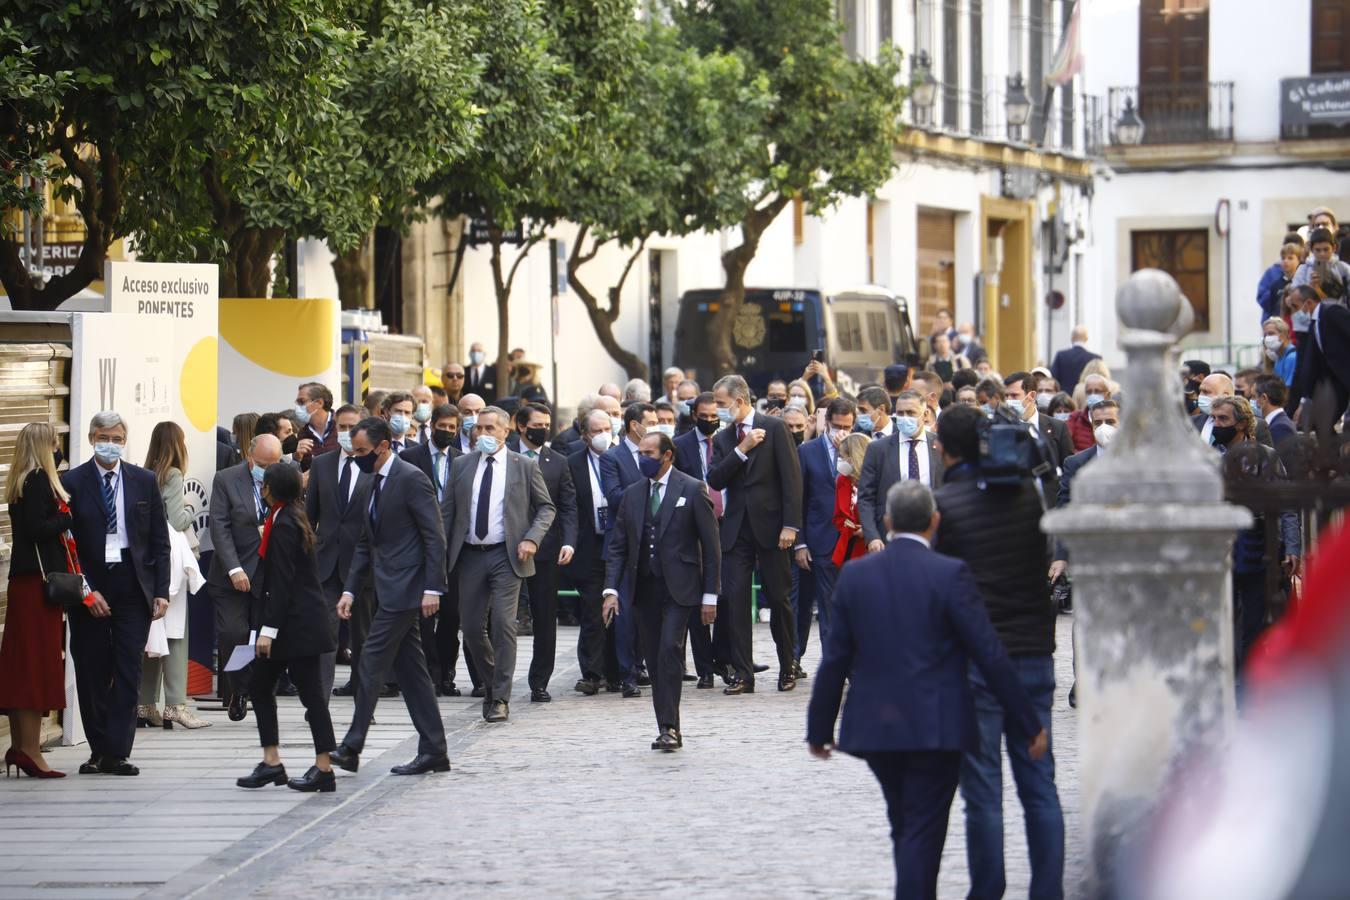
32 670
850 545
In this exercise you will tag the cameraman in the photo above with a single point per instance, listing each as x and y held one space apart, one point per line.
995 529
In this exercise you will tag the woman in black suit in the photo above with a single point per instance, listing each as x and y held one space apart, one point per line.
292 634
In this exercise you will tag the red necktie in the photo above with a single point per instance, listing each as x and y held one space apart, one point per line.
716 496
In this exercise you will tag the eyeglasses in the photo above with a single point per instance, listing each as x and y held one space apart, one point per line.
457 376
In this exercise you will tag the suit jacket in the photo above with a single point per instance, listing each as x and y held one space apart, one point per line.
818 498
147 527
1263 435
234 526
1327 360
690 453
558 478
686 540
1281 428
484 385
527 511
1072 466
293 601
766 486
590 546
405 547
421 457
337 523
881 469
1056 436
618 470
907 662
1068 365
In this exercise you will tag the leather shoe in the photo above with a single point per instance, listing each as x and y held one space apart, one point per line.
631 690
316 780
688 677
496 712
613 687
587 687
262 776
448 689
705 682
479 691
761 667
540 695
739 687
643 679
287 688
668 740
238 707
422 764
345 758
797 671
111 765
786 682
525 628
90 767
345 690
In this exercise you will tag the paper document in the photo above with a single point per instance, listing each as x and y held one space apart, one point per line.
242 656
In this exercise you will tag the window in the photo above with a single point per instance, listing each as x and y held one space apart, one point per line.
951 67
878 336
977 67
849 328
885 22
1183 254
1330 36
847 11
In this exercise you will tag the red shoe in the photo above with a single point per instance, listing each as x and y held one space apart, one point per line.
30 768
9 760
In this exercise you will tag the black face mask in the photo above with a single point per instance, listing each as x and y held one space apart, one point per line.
707 427
289 445
366 463
775 403
1224 434
442 439
797 437
1192 404
536 436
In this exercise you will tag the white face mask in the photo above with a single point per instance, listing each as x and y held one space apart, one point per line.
668 430
601 442
1272 341
1104 434
845 468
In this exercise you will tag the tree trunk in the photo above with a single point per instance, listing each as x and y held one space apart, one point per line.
602 320
353 279
502 288
734 263
247 268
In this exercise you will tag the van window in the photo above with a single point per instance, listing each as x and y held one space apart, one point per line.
877 333
849 330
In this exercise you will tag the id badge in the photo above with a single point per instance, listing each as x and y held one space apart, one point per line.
112 552
602 512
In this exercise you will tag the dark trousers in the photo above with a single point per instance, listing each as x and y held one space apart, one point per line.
332 592
395 644
1249 613
233 611
107 654
918 786
543 596
700 642
595 645
448 639
661 626
738 564
307 675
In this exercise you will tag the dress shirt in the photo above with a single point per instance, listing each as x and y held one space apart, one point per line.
257 504
1270 416
1207 430
598 501
664 481
119 540
885 431
534 455
909 536
496 533
632 448
925 476
356 472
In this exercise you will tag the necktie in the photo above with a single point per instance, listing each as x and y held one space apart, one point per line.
345 482
715 496
914 459
436 473
480 527
740 432
397 447
110 502
375 500
531 454
654 505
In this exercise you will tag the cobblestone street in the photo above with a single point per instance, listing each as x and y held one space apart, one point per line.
566 800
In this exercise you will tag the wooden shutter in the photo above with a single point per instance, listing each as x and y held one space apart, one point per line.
936 256
1330 36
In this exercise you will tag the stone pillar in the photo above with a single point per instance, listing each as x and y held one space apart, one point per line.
1150 541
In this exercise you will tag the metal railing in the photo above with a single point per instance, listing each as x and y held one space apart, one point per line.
1196 113
1073 127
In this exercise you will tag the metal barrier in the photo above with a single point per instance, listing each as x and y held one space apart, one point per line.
1230 357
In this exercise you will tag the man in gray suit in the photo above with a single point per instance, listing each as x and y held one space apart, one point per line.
909 454
502 511
404 542
237 515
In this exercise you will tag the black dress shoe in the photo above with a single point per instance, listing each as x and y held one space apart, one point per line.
422 764
448 689
797 671
237 707
345 690
389 690
345 758
587 687
525 629
705 682
688 677
668 740
540 695
479 691
631 690
643 679
316 780
286 687
344 656
262 776
739 687
90 767
111 765
613 687
761 667
567 620
497 711
786 682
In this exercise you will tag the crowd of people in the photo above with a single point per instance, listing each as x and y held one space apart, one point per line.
463 516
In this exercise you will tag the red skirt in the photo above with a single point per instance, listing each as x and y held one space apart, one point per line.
32 670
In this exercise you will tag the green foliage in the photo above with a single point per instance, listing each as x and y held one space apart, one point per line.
28 98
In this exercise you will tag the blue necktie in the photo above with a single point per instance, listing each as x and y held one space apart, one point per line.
110 502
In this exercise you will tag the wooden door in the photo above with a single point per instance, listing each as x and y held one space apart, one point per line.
1174 70
1330 36
936 255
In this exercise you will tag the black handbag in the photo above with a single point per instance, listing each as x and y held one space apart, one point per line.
63 590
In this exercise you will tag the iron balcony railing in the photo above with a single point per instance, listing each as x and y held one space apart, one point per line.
1071 125
1195 113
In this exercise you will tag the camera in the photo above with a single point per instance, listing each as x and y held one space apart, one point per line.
1009 452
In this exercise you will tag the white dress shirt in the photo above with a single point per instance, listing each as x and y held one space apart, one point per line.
383 472
496 533
1270 416
118 541
664 481
925 462
1207 429
632 448
909 536
598 500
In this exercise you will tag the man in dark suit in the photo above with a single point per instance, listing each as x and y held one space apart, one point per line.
618 470
236 516
333 505
1323 357
665 553
502 513
694 457
755 462
557 550
397 410
1067 366
122 538
481 378
815 542
911 710
1270 395
596 653
403 544
318 431
910 454
1214 387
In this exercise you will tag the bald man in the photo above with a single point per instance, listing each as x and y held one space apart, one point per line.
1212 388
469 406
1068 365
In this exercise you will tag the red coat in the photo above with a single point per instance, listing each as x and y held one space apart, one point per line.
1080 430
850 544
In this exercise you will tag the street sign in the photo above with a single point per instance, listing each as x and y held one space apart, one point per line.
481 233
1320 100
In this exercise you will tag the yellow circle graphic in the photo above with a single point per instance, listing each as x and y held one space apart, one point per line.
197 384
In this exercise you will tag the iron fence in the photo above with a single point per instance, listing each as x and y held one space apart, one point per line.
1192 113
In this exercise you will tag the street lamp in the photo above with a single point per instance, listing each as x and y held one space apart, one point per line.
1129 127
1018 104
924 89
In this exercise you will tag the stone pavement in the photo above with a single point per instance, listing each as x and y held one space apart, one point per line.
566 799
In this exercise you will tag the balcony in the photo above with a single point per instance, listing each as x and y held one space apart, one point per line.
1072 125
1315 108
1196 113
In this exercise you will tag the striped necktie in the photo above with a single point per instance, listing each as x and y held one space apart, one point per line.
110 502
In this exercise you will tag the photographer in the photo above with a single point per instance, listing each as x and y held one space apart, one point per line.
995 529
1322 271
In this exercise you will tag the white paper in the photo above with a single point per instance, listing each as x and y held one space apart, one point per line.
680 502
242 656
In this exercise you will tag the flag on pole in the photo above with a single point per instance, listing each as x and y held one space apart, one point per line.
1069 58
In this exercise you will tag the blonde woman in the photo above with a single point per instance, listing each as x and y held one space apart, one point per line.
1094 367
850 545
801 395
32 671
168 459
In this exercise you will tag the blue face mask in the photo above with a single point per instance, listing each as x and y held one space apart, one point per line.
649 467
423 412
476 357
258 472
399 424
865 423
682 408
301 414
345 440
469 422
1204 404
1094 399
907 425
486 444
724 415
1063 416
989 409
1302 321
108 453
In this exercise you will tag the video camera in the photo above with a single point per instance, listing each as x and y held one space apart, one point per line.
1009 452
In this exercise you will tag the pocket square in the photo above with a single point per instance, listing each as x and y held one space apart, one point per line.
680 502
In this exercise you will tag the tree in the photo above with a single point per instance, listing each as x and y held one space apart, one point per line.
831 133
29 98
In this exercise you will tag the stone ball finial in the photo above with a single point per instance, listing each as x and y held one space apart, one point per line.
1151 300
